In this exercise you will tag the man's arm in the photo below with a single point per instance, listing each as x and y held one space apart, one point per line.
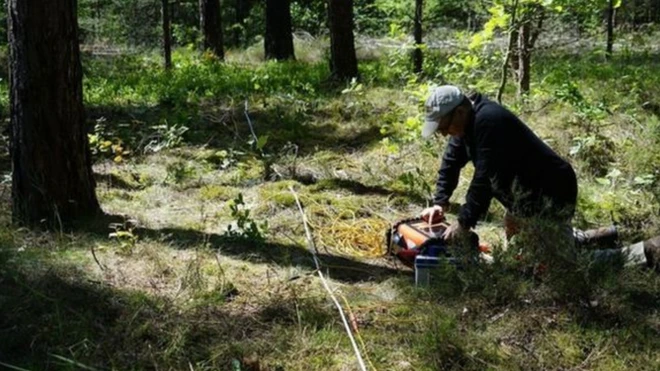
453 160
479 195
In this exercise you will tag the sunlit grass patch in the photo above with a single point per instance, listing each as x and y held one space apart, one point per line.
178 291
214 192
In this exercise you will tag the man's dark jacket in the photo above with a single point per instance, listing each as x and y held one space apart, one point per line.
511 164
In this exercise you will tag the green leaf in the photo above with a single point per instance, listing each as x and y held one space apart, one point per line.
603 181
261 142
615 173
646 179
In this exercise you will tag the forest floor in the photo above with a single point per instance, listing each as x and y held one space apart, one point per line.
203 262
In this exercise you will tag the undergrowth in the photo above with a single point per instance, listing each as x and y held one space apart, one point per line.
213 271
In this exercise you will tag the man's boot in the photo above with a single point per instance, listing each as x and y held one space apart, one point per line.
601 238
652 252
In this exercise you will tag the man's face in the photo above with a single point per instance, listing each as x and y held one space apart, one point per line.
453 123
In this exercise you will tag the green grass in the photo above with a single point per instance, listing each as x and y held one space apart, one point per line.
176 290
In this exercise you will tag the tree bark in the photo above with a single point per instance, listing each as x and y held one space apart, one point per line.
536 32
278 43
167 34
610 29
52 180
514 58
211 26
418 57
525 54
343 61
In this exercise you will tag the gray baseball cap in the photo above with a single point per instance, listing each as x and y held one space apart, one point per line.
442 100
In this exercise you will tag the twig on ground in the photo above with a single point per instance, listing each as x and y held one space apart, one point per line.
593 354
543 106
103 268
498 316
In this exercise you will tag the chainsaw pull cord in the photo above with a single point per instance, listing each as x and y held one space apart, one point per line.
431 225
431 221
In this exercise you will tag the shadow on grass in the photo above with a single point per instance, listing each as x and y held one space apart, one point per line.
358 188
222 128
533 317
632 305
336 267
115 181
55 318
351 185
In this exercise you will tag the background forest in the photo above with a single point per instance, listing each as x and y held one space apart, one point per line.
206 120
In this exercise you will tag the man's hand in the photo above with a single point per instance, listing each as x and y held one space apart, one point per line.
455 230
433 214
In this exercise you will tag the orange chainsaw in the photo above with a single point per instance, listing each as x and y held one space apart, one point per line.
410 238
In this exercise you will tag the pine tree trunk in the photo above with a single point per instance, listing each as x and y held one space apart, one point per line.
241 11
635 13
610 29
278 43
343 61
514 58
418 57
52 180
167 34
524 64
211 26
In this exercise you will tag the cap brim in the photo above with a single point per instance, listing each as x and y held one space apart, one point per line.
430 126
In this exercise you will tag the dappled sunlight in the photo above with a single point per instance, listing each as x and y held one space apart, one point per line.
202 260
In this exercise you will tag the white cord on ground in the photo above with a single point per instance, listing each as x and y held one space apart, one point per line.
254 135
256 140
313 250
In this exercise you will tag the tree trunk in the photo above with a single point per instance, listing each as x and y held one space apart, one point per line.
211 26
610 29
167 34
278 43
525 54
509 50
52 180
635 19
241 11
418 57
343 62
514 58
